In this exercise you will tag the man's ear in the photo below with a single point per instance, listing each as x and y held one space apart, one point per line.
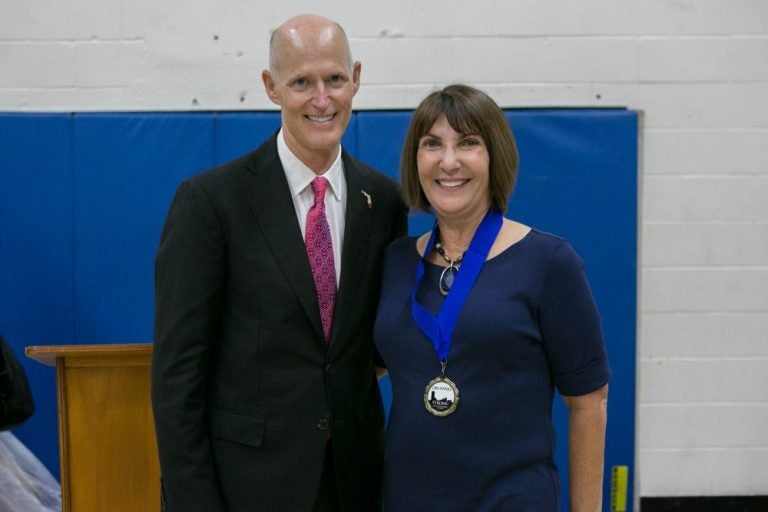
270 86
356 68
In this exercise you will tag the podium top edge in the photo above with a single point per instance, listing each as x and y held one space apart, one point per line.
48 354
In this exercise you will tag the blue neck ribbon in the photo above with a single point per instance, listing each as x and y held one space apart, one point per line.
440 328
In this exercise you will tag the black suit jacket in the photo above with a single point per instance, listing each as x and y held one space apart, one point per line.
244 387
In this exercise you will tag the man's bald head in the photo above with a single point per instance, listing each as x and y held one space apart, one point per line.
303 32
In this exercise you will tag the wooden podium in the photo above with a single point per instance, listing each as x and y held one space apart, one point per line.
106 432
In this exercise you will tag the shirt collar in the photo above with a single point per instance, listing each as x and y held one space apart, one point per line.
300 176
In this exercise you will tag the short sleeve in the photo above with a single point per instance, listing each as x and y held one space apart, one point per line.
570 325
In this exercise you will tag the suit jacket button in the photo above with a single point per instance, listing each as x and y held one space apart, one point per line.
322 425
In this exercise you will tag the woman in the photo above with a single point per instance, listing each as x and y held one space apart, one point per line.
479 320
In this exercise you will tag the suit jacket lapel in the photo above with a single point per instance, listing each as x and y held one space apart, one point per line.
358 224
270 198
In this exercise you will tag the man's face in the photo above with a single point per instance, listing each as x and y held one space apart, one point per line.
314 84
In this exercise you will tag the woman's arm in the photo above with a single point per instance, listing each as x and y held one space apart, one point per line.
587 417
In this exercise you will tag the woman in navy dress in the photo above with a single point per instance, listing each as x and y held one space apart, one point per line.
480 320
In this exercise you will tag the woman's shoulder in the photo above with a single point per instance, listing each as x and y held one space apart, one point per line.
401 247
399 256
544 245
511 233
554 251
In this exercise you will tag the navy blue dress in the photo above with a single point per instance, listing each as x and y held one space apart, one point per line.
529 325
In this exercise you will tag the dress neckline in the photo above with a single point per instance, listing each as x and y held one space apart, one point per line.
501 256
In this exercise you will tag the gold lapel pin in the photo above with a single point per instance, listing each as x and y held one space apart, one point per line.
367 198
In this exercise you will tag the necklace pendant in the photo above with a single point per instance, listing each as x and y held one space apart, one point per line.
448 274
447 277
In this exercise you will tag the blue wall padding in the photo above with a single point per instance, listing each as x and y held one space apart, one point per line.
83 198
237 134
126 170
381 139
36 256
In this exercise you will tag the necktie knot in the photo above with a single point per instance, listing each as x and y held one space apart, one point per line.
319 185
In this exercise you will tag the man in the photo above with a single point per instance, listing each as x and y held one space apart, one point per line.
263 387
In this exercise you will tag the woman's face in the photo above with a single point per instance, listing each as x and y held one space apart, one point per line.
453 172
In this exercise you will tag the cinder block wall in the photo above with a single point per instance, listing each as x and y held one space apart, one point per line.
696 69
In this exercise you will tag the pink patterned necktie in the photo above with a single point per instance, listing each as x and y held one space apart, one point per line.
320 253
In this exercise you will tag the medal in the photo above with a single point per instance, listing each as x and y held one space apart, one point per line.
441 395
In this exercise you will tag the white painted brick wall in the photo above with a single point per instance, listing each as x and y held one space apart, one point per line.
714 335
697 69
694 198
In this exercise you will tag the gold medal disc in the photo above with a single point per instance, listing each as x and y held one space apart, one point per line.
441 396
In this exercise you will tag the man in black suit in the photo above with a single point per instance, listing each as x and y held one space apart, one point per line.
263 387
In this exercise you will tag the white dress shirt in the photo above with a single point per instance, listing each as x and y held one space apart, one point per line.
299 180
